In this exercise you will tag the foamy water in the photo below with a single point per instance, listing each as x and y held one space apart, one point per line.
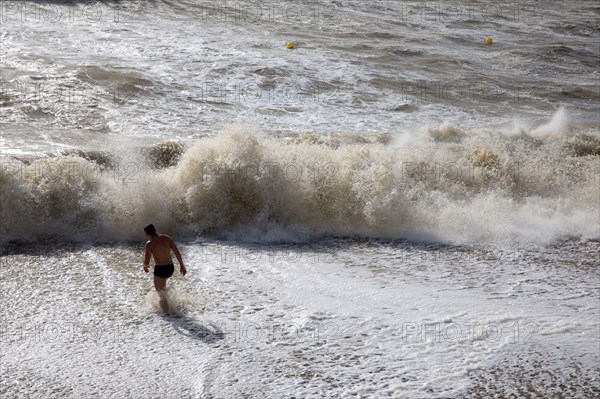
390 209
442 184
331 319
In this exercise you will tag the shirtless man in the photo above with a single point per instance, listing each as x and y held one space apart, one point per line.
160 246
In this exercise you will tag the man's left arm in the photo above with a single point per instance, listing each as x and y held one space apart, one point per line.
182 269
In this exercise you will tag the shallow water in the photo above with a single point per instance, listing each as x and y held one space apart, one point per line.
338 318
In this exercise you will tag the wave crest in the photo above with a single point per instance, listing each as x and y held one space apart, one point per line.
249 186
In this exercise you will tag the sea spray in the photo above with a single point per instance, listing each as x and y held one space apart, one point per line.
441 184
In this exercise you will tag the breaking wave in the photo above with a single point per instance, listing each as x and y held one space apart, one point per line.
445 184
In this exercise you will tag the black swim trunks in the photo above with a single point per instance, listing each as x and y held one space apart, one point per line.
164 271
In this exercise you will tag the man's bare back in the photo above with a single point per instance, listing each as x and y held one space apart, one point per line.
160 248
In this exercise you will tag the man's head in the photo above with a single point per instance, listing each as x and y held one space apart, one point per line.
150 230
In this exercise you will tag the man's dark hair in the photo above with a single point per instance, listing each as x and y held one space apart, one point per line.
150 229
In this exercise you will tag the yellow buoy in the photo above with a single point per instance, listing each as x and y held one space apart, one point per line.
410 12
489 40
290 45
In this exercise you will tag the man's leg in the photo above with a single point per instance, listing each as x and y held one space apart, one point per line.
160 284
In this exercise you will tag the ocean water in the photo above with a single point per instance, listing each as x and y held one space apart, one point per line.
392 208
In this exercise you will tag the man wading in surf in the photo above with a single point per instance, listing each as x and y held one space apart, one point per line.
160 246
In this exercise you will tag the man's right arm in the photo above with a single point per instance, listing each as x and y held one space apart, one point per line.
147 254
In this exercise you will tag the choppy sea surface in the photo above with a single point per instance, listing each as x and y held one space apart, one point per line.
391 208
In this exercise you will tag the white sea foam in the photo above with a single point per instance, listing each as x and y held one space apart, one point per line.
450 186
169 294
557 126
